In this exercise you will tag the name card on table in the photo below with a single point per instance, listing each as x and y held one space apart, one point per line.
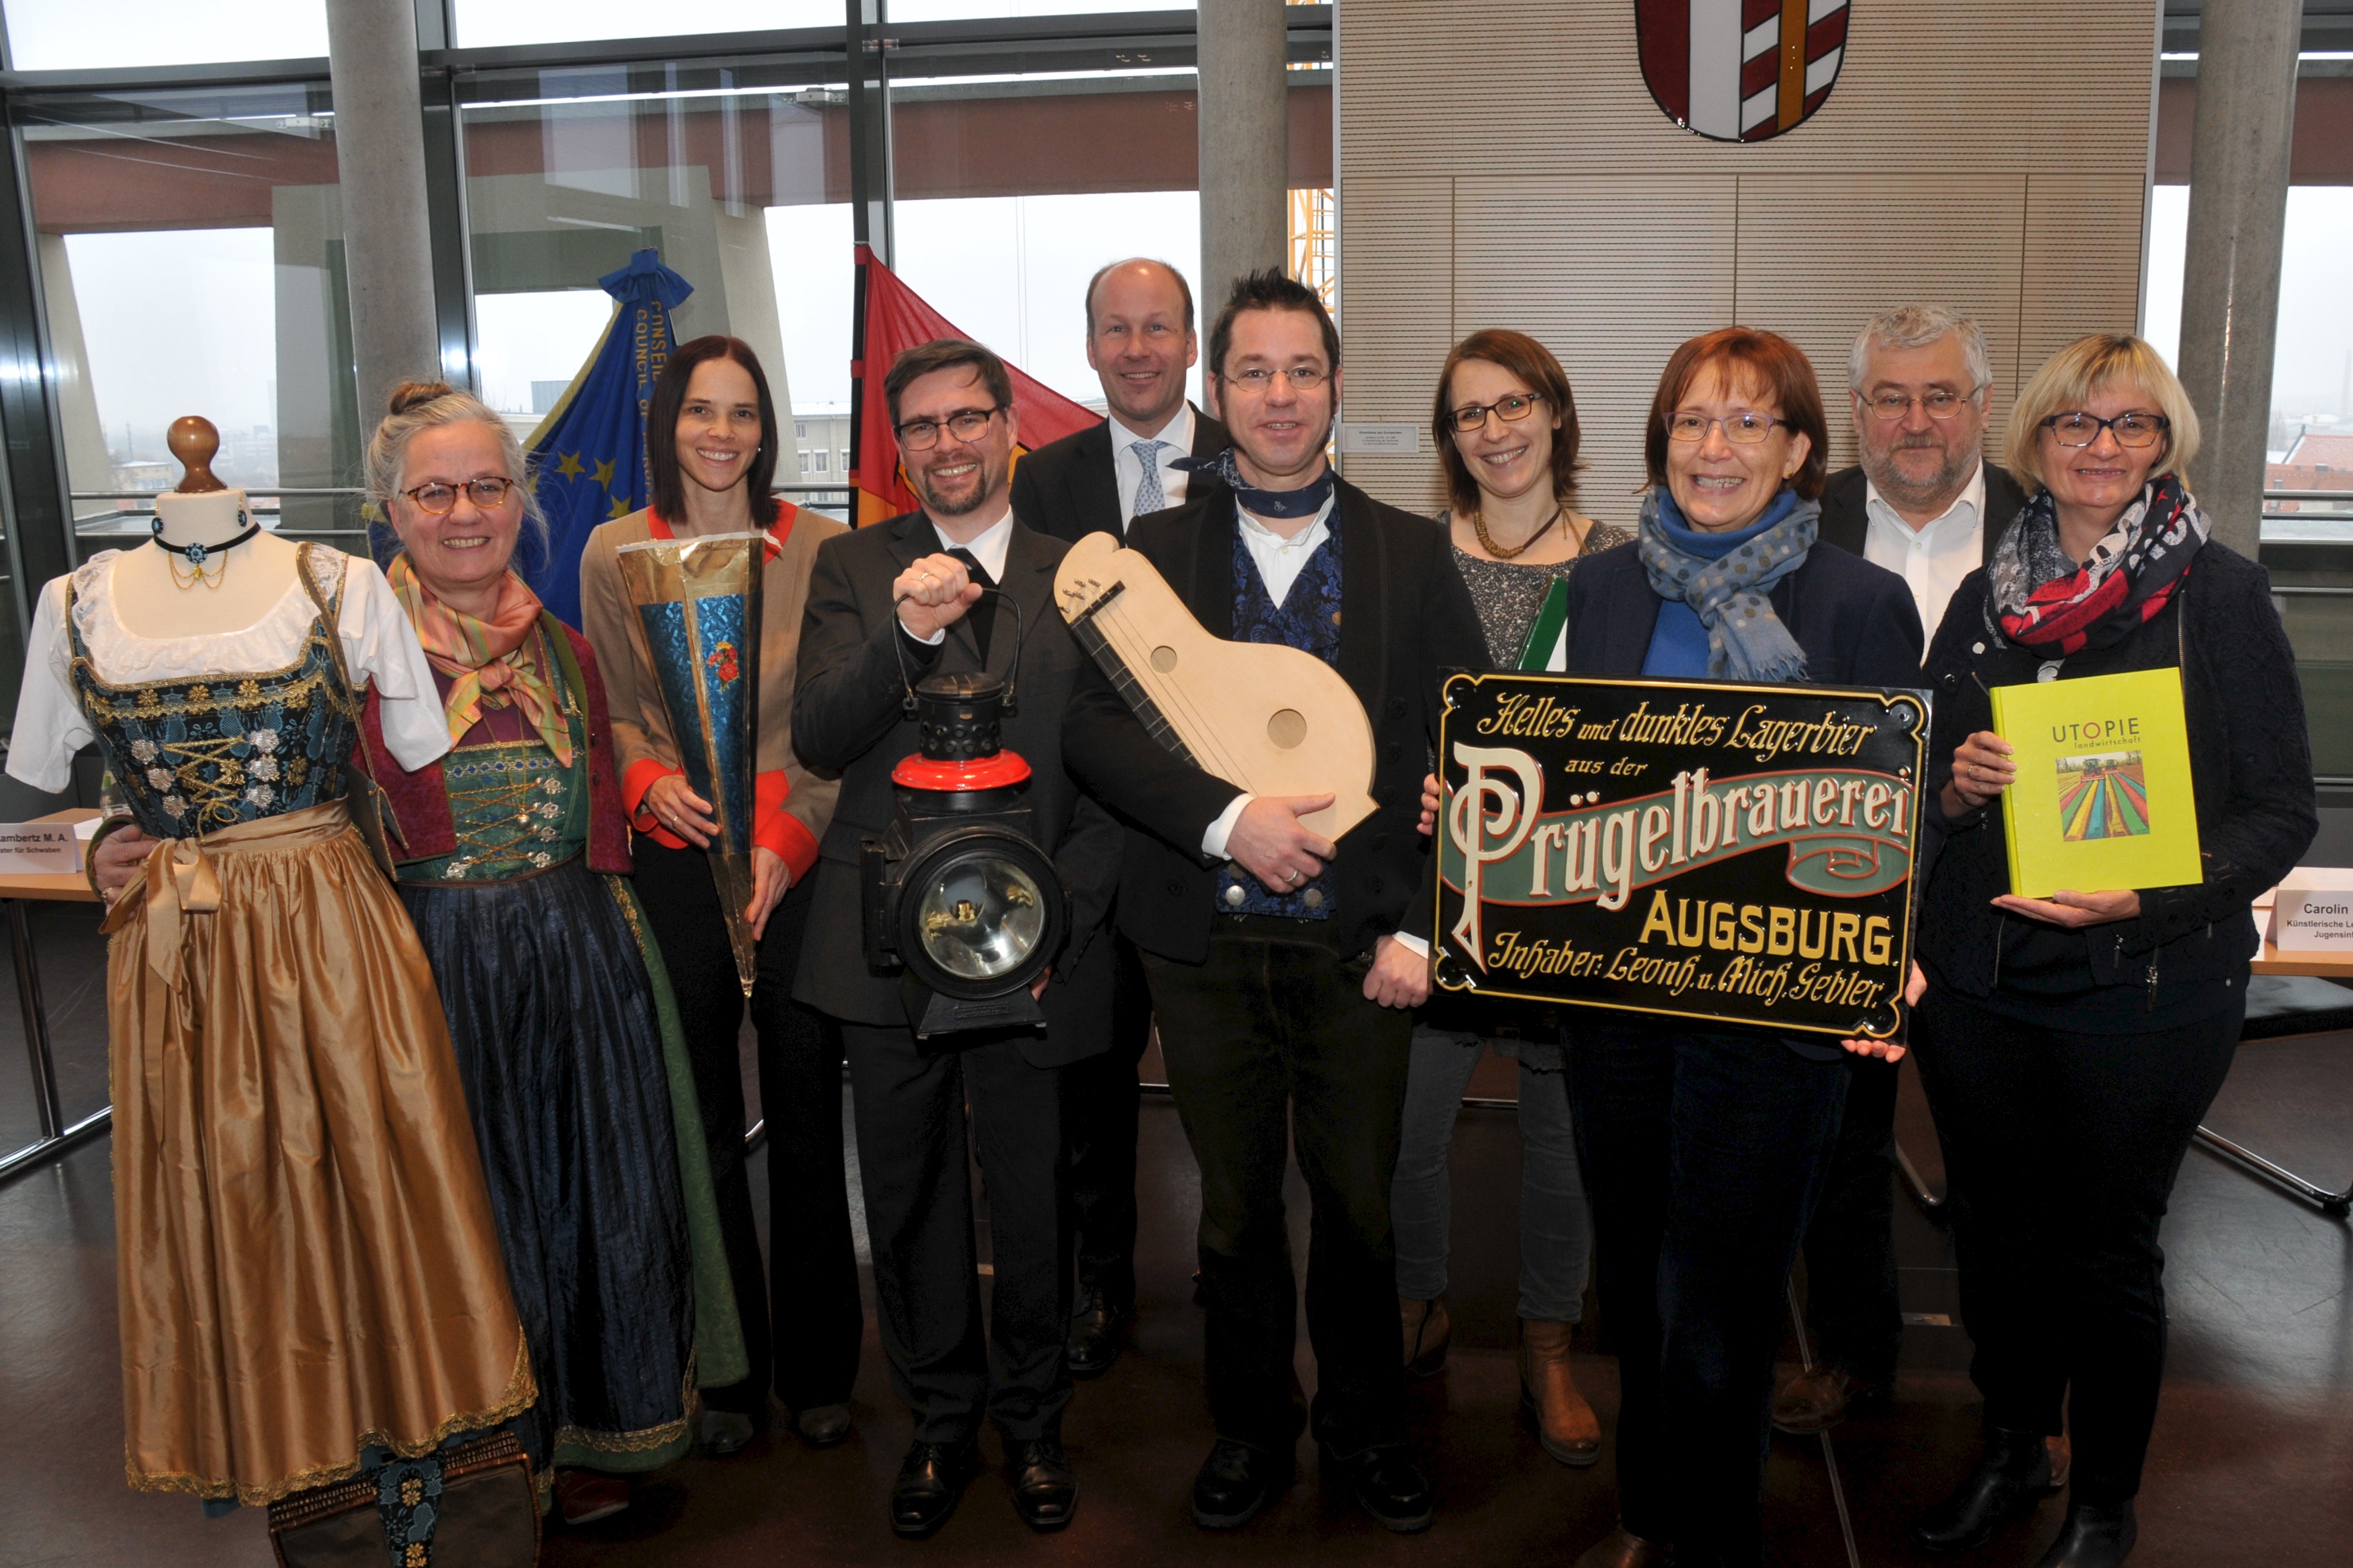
2312 911
39 848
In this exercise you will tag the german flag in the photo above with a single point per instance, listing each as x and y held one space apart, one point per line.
893 318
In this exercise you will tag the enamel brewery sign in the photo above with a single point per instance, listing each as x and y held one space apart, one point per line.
1730 852
1740 70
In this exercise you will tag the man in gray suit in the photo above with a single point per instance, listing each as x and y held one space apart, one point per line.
907 595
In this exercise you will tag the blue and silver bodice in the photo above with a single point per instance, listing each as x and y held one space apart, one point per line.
193 756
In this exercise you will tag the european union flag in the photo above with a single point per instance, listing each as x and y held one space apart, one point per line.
588 456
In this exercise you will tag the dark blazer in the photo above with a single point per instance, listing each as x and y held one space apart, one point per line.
1846 521
848 717
1855 621
2249 768
1405 619
1067 489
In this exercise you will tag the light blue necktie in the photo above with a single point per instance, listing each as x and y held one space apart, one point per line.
1149 496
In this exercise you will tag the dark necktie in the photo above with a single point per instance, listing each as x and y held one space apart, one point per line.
983 615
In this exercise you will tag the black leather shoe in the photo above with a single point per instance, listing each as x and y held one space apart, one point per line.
2094 1537
1388 1484
1236 1483
1045 1493
1098 1334
822 1425
2012 1477
930 1480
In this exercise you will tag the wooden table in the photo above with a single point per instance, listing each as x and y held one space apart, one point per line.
16 892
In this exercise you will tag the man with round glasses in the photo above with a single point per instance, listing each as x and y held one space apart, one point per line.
1925 504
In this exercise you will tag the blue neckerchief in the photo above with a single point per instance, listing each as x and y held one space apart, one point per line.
1726 580
1302 502
1716 546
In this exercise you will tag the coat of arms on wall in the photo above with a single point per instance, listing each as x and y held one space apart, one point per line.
1740 70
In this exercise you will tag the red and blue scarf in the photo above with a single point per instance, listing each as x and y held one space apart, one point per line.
2037 596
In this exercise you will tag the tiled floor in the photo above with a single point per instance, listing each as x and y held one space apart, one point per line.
2253 1448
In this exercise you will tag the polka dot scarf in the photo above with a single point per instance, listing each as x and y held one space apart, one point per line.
1728 591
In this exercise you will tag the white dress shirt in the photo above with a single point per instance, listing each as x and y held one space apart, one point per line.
988 547
1127 468
1934 558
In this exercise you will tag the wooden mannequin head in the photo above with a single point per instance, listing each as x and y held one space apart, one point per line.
194 440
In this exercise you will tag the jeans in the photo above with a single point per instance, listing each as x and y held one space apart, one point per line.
1271 1043
1553 1225
1704 1155
2061 1151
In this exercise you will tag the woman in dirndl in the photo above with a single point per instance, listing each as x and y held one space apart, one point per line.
514 864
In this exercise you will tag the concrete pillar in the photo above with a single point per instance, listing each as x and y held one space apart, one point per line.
1245 123
380 154
2238 213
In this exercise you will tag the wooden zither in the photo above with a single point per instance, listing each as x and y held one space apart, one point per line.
1269 718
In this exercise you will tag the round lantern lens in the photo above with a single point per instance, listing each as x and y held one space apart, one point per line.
980 915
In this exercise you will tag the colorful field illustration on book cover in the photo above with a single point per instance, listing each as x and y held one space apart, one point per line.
2105 795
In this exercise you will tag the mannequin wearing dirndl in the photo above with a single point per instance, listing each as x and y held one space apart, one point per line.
308 1271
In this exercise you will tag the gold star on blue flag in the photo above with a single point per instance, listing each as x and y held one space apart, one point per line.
588 456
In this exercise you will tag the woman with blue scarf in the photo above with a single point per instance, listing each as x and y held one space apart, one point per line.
1704 1147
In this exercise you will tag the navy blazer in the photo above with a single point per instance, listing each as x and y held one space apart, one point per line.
1856 621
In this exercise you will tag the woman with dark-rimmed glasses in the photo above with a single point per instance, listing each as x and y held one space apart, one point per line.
2069 1045
1505 423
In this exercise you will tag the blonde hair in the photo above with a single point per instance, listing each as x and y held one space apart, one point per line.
2071 376
415 407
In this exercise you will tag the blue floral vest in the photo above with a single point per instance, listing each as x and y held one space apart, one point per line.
1309 620
194 755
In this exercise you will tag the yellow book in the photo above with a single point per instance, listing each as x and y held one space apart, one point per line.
2103 799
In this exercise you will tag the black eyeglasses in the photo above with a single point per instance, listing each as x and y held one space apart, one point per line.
964 425
1517 407
440 499
2080 430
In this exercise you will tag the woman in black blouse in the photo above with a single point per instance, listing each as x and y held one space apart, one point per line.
2070 1045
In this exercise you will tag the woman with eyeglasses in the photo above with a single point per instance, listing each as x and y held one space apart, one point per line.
1505 423
1705 1146
513 862
712 441
2070 1045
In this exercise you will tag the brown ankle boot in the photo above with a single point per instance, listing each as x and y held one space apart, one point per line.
1565 1422
1426 1329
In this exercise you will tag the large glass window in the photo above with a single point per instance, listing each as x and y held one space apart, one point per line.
2307 527
56 35
487 24
738 178
191 257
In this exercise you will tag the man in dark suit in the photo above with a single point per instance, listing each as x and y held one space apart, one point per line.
1282 984
1925 504
1140 344
1140 340
884 602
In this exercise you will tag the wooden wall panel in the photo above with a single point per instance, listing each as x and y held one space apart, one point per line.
1928 174
1399 323
1814 265
1547 256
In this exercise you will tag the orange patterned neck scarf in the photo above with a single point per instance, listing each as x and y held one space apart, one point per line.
494 659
